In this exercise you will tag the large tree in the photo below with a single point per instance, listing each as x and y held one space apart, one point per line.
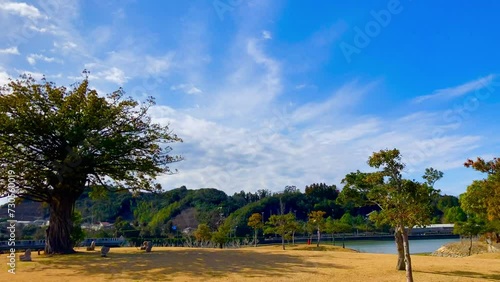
60 141
403 203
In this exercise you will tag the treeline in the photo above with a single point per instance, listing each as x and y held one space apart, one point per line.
168 213
155 214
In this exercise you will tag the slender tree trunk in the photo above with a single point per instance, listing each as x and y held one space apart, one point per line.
283 241
399 245
293 238
409 271
319 238
60 225
470 246
255 238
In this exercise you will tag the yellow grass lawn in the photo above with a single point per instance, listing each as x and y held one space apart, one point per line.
268 263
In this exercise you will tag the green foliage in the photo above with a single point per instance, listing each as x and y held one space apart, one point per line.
402 202
63 141
454 214
280 224
483 196
77 233
472 227
334 226
255 221
203 233
144 211
221 235
317 219
164 214
445 202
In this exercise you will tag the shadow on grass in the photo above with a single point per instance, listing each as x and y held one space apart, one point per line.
468 274
165 264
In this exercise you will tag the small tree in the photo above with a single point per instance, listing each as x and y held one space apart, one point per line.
220 236
316 219
470 228
294 226
334 226
280 224
255 221
403 203
203 233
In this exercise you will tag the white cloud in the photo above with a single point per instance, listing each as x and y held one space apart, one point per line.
51 28
457 91
235 156
9 51
21 9
159 65
4 77
186 88
33 58
266 34
113 74
65 46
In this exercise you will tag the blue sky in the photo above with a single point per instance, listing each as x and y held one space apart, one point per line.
273 93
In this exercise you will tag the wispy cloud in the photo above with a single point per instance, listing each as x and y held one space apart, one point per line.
457 91
266 34
21 9
347 95
186 88
9 51
33 58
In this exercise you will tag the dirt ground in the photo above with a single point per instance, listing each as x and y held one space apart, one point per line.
268 263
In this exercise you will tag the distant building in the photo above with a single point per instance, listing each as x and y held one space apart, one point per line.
105 225
433 229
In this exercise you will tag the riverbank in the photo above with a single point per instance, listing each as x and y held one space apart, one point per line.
461 249
267 263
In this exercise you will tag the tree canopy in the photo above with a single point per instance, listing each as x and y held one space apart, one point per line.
60 141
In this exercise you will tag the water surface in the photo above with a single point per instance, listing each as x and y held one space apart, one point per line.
389 247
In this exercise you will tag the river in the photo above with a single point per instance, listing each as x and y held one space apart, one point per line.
389 247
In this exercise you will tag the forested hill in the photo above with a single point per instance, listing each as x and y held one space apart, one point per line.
156 214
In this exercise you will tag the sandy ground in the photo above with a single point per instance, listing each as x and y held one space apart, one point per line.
268 263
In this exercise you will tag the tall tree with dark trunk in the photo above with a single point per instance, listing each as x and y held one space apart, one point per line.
58 142
403 203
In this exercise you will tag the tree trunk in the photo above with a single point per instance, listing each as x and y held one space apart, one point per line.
283 241
60 225
399 245
293 238
255 238
319 238
409 271
470 246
